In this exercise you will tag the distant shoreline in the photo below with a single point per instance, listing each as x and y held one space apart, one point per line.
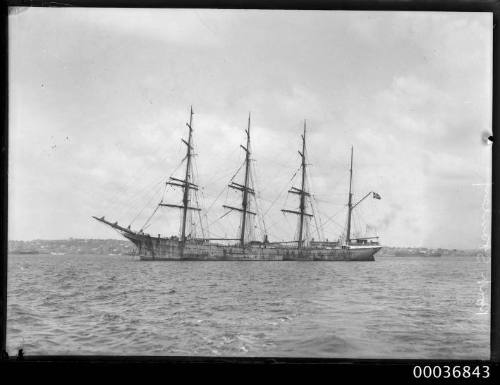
71 246
125 247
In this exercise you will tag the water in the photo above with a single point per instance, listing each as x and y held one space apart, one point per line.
413 307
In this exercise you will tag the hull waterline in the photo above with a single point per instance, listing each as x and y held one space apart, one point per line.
167 249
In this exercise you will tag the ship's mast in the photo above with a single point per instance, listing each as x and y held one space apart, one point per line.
185 198
245 189
185 183
349 203
244 203
302 192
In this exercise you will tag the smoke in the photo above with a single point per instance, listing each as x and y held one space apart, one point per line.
390 217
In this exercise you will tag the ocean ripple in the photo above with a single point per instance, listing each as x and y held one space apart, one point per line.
390 308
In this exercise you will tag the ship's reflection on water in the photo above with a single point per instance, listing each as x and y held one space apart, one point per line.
393 307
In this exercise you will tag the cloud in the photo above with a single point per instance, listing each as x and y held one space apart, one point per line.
410 91
173 26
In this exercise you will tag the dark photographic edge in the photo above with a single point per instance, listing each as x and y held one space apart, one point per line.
352 364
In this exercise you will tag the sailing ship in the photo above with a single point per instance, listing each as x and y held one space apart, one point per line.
185 246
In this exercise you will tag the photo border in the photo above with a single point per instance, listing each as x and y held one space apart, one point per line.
119 367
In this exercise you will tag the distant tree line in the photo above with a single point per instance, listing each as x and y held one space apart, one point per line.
73 246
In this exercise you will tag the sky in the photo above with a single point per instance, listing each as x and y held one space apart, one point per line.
99 100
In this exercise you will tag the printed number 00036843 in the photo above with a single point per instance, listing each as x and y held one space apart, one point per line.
480 371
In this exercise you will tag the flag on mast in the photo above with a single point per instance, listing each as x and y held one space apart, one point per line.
376 196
